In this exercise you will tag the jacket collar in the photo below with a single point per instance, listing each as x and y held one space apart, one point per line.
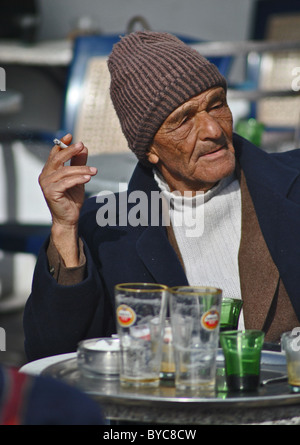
262 170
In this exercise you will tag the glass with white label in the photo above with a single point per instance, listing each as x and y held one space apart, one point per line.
195 319
141 313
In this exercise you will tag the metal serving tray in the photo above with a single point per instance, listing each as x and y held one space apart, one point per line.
273 400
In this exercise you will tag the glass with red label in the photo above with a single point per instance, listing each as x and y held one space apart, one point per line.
195 317
141 313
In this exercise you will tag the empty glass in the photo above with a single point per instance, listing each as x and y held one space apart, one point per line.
141 311
195 317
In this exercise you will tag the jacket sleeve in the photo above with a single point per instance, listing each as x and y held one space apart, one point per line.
62 274
57 317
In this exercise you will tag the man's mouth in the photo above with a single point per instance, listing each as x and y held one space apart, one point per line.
215 153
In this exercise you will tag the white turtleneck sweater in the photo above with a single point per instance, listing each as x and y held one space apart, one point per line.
210 253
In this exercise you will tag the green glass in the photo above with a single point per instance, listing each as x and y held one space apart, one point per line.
251 129
242 351
230 314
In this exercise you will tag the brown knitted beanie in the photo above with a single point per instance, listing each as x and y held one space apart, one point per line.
152 74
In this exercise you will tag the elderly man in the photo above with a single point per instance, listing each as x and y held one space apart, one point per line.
172 107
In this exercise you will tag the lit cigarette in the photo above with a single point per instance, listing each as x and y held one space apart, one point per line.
60 143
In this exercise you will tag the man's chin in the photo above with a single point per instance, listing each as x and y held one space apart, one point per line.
215 174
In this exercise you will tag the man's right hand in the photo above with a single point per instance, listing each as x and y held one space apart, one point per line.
63 188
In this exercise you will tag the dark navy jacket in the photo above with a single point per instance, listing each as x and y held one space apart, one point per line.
57 317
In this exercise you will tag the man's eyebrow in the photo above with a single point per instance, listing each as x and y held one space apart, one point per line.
216 96
181 113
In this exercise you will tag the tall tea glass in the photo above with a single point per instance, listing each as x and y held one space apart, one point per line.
195 317
140 312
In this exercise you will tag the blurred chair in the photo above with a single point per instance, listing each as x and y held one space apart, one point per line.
89 114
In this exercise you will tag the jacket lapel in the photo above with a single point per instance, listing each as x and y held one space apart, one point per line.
274 188
257 289
160 258
280 225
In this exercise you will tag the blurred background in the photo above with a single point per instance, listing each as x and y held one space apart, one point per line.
54 80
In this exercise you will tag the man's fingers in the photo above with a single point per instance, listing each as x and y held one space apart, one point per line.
57 176
67 139
58 157
65 173
80 158
65 184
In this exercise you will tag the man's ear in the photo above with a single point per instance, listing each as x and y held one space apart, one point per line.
152 155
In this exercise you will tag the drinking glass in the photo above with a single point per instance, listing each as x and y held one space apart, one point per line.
140 311
230 314
195 316
290 342
242 351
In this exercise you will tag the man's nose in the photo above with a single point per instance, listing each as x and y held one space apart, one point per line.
210 128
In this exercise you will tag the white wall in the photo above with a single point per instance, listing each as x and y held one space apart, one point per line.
206 19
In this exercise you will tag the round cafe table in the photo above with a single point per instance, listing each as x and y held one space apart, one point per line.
273 403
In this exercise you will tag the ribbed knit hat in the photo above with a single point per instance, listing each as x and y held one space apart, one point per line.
152 74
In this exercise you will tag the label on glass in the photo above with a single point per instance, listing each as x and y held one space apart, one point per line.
125 315
210 319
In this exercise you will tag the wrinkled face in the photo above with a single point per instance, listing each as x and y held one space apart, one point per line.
193 147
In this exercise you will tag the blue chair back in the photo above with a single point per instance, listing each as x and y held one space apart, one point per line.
85 47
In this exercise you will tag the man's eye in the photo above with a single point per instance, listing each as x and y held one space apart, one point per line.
218 105
186 118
